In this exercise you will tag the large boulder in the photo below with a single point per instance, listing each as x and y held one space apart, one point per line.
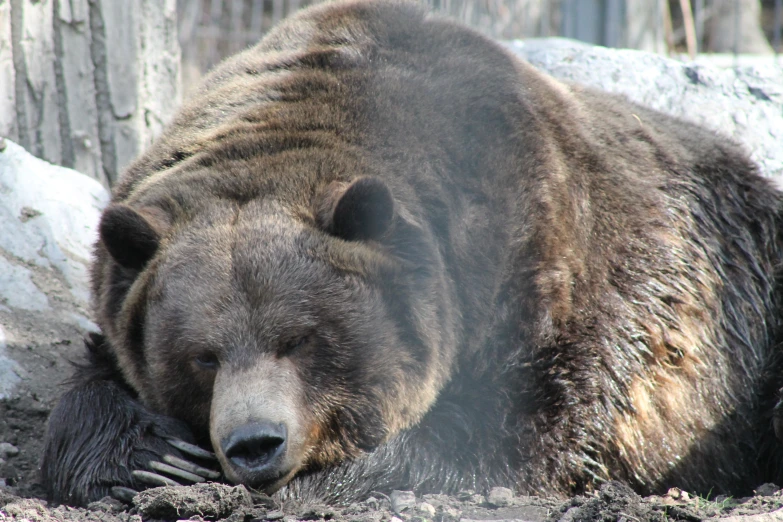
744 102
49 216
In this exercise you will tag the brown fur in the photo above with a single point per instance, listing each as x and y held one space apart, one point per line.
581 287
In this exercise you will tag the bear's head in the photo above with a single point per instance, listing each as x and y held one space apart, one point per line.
293 334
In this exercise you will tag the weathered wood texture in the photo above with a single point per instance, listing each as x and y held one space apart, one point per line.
87 84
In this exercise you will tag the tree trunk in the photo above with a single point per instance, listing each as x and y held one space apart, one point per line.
87 84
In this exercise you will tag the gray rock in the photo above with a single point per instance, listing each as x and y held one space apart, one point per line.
49 218
8 450
402 501
765 490
426 508
744 102
500 497
477 499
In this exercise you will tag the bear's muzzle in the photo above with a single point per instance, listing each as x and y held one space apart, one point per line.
256 452
258 423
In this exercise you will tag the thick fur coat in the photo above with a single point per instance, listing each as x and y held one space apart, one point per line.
436 268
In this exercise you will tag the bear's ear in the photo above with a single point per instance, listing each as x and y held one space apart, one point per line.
131 236
356 211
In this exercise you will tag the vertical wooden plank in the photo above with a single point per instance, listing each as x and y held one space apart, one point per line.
103 100
159 70
777 39
238 32
545 19
613 18
213 24
583 20
643 26
698 8
87 83
257 19
40 92
277 11
7 75
79 87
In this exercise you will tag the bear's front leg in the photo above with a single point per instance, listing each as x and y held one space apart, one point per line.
101 440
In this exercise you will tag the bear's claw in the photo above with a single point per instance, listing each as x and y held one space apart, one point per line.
123 494
176 472
153 478
190 467
173 471
191 449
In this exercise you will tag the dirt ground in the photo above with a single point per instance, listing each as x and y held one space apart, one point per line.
614 502
22 423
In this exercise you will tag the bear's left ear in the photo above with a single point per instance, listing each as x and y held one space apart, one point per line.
360 210
132 236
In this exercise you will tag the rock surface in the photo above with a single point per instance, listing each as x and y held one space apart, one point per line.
402 501
745 102
49 216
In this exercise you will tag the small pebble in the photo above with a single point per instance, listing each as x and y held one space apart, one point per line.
465 494
677 494
477 499
500 497
766 490
274 515
402 500
395 519
261 499
450 511
106 505
316 513
353 509
8 450
426 507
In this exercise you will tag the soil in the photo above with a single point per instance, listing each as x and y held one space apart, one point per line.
614 502
22 423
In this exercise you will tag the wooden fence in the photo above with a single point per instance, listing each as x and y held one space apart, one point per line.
209 30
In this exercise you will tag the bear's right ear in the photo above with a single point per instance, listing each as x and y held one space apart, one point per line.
131 236
360 210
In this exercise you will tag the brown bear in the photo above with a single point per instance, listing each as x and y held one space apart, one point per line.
378 251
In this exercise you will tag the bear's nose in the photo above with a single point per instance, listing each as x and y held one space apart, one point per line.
254 450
